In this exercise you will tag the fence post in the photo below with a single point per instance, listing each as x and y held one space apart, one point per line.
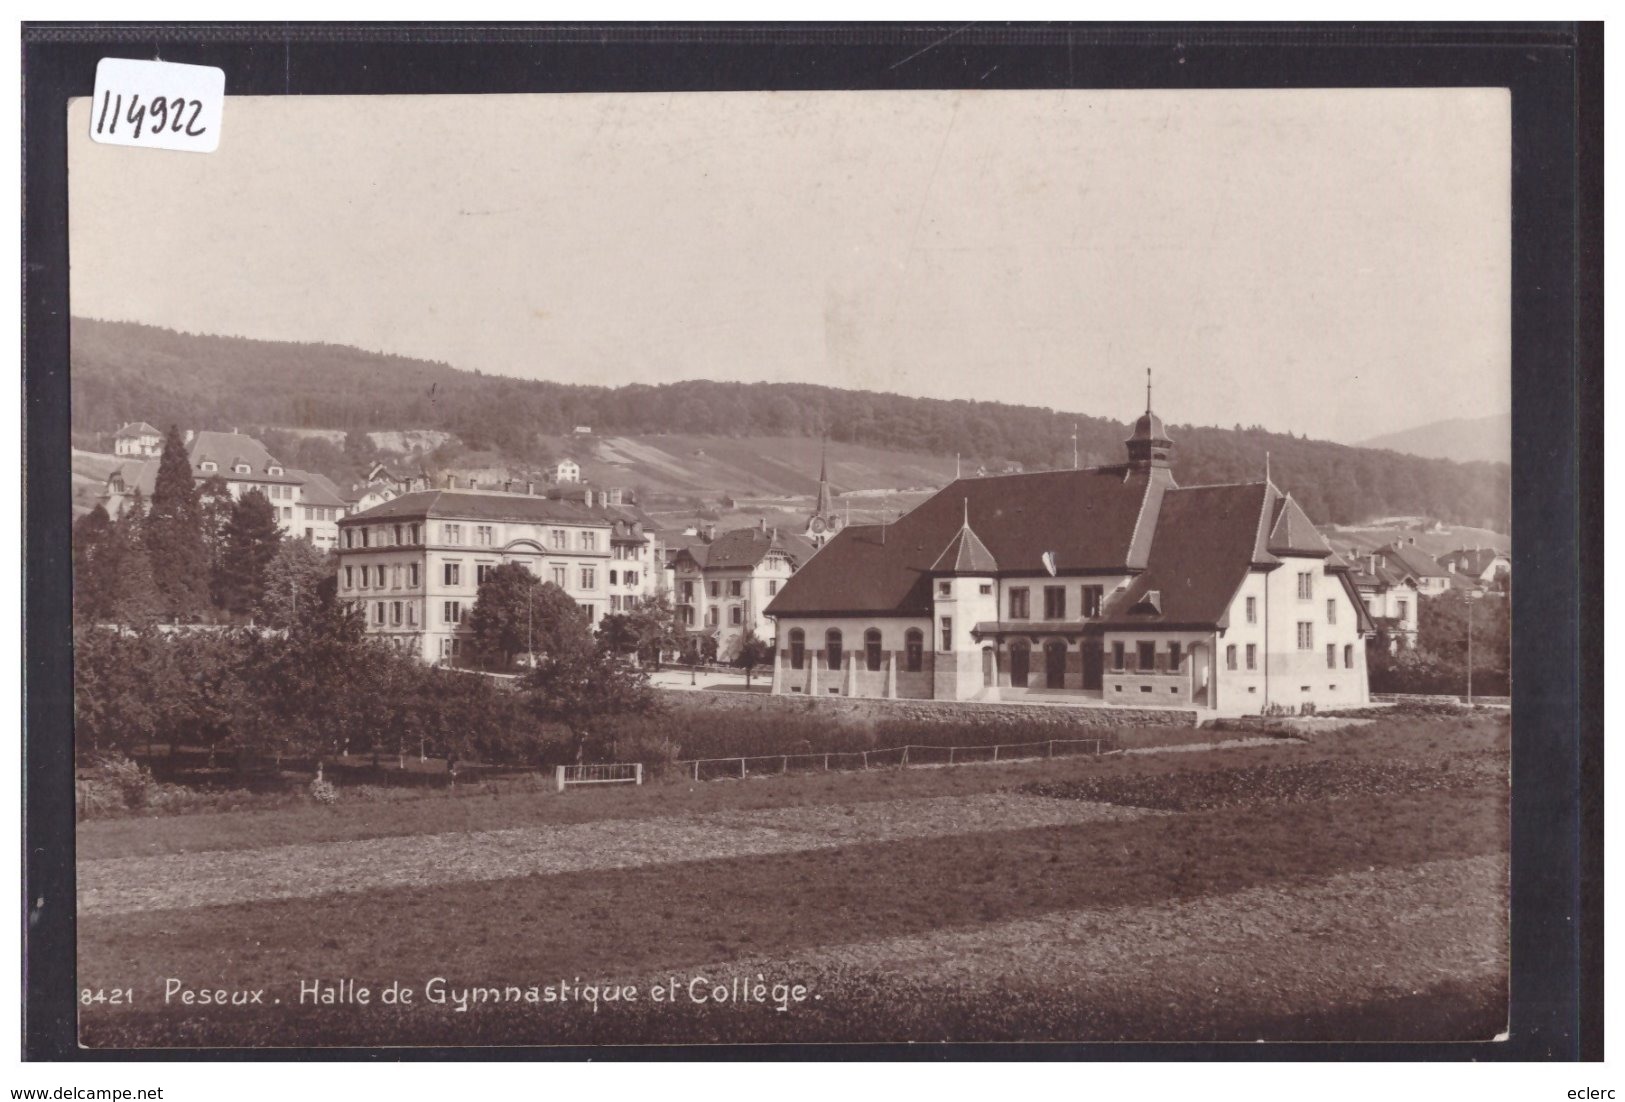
866 759
741 768
696 770
784 764
1051 752
826 763
995 752
638 773
905 756
558 778
950 755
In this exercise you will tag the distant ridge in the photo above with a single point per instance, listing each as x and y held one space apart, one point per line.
123 371
1463 439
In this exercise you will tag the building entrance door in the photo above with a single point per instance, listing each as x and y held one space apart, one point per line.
1018 666
1055 665
1094 661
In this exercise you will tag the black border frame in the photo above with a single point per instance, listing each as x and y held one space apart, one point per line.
1555 74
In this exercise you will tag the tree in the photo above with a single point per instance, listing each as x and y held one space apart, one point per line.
90 535
123 569
751 651
214 513
575 688
654 624
517 613
174 533
252 539
293 577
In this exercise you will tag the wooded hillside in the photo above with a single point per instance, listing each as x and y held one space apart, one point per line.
124 372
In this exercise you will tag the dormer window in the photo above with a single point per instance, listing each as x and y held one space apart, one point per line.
273 469
209 465
241 468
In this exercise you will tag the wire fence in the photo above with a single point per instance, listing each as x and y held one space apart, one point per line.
892 757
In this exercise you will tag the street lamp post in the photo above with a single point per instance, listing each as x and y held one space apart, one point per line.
1469 651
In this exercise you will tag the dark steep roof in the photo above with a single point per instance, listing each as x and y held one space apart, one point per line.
1207 539
1412 559
1098 518
965 553
745 547
1292 533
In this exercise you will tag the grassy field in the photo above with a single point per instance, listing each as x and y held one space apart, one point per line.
1348 887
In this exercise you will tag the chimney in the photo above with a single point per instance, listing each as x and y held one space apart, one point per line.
761 523
189 435
451 482
530 489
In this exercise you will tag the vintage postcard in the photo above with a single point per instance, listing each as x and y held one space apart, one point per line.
793 566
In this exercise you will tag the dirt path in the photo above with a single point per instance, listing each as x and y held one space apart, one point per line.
127 884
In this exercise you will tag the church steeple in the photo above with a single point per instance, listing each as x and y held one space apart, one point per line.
1149 447
823 523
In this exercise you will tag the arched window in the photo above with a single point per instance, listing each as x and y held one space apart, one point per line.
832 648
914 649
798 648
871 649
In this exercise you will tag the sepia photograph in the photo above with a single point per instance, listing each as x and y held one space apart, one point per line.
791 567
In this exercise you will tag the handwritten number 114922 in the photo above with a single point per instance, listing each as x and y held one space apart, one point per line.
155 114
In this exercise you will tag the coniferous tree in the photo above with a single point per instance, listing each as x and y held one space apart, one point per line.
174 533
214 513
90 535
123 571
252 539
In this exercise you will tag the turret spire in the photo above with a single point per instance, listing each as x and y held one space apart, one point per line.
1148 390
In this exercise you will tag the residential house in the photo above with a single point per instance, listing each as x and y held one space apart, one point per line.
138 439
1109 584
722 585
566 470
1485 564
413 565
1403 557
1390 596
306 504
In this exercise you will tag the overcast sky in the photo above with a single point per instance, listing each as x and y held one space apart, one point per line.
1334 263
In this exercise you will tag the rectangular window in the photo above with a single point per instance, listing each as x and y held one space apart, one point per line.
736 588
772 585
1252 610
614 577
395 613
1404 610
366 538
711 616
379 612
349 537
557 539
1306 635
1092 595
415 534
380 577
1306 585
589 541
561 576
985 589
589 578
736 615
454 533
947 633
614 602
1331 656
1146 658
714 588
1118 656
482 571
1019 608
445 648
1230 657
485 535
452 573
452 613
1252 656
945 589
411 614
1175 653
397 535
1055 602
412 575
688 592
349 577
1348 656
1331 610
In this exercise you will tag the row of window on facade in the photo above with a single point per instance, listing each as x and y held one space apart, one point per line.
451 574
736 588
1148 657
405 613
713 615
483 535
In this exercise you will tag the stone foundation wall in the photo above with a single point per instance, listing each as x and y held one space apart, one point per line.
939 711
